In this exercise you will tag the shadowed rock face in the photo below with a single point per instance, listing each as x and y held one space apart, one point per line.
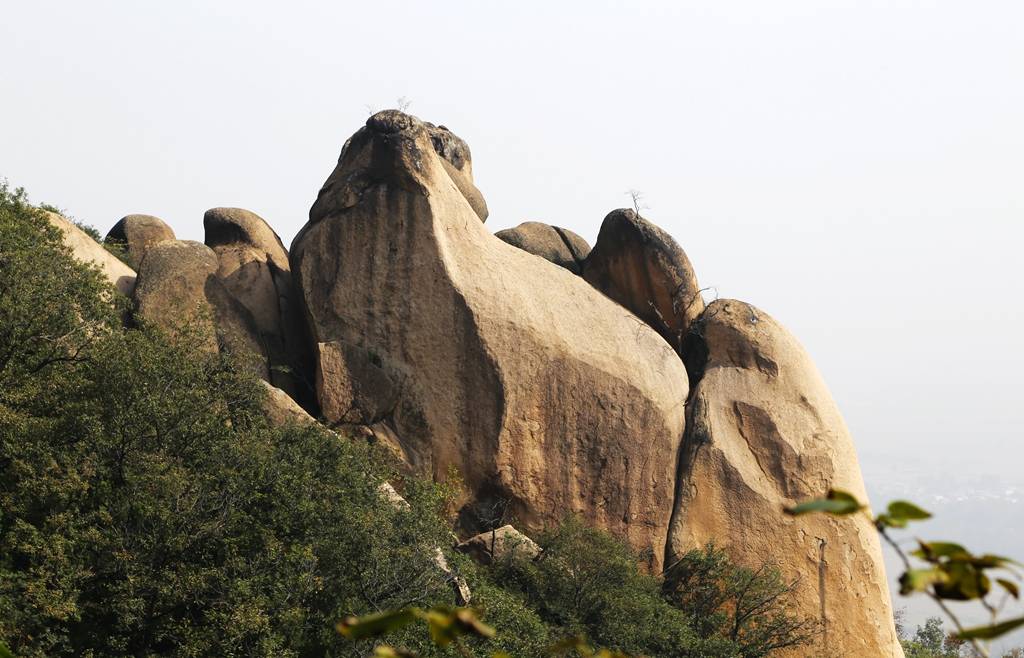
762 434
552 243
253 266
536 387
137 233
178 290
642 268
87 250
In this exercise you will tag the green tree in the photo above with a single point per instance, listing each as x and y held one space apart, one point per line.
749 607
587 583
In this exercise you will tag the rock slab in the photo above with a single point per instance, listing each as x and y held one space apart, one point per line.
87 250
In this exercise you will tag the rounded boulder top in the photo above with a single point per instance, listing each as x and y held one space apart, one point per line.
137 233
235 226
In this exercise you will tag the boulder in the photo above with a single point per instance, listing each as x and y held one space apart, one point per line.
558 245
642 268
499 544
253 266
763 433
524 378
280 409
458 164
87 250
179 291
135 234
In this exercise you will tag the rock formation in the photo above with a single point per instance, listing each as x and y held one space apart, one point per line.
178 290
537 388
136 234
641 267
87 250
552 243
253 266
549 393
499 544
763 433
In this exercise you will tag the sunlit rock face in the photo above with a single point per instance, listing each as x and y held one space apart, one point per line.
533 385
763 433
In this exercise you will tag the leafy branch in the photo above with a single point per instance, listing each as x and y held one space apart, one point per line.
953 573
448 626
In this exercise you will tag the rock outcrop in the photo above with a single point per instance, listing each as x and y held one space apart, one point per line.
763 433
178 290
537 388
136 234
253 266
502 543
552 243
642 268
87 250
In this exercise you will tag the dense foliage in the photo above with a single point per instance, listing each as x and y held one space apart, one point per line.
147 508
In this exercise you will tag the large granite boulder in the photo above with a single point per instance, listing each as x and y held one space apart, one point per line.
87 250
763 433
521 376
253 266
552 243
135 234
642 268
179 291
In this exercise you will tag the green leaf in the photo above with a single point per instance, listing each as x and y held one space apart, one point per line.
963 582
837 503
575 643
447 624
939 549
919 580
385 651
904 511
357 628
5 652
1010 587
991 632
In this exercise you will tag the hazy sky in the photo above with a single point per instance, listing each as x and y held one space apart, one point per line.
856 169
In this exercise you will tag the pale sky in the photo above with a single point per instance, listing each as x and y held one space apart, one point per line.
855 169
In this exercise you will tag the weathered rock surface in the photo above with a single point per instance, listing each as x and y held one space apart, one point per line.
178 289
87 250
764 433
253 266
552 243
136 234
504 542
535 386
353 385
642 268
280 409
